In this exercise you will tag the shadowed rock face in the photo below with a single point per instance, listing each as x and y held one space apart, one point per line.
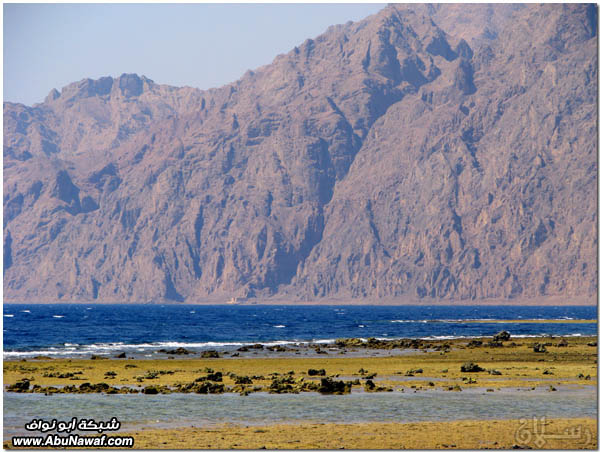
426 152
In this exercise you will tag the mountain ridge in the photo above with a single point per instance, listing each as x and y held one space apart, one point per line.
266 188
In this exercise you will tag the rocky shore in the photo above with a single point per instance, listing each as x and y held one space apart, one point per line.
492 364
451 365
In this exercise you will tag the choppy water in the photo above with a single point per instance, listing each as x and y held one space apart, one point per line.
80 330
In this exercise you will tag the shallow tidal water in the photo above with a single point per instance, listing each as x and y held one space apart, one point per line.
173 410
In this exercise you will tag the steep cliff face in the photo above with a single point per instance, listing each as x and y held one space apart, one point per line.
417 154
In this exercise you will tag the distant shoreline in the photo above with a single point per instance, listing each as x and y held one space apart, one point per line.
540 301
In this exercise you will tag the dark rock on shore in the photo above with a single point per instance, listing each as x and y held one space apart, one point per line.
374 343
216 376
369 385
84 388
178 351
242 380
98 387
372 387
329 386
352 342
19 386
283 385
471 367
210 354
201 387
502 336
494 344
246 348
209 388
244 390
159 389
152 374
60 375
282 388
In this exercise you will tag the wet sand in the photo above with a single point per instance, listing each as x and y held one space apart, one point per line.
500 434
575 433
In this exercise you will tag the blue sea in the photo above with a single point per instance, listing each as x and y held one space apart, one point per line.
62 330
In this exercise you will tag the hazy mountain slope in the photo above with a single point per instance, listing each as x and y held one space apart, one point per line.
385 158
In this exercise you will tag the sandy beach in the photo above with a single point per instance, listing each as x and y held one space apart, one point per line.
473 434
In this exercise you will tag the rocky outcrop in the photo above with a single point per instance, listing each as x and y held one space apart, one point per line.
501 336
427 152
329 386
471 367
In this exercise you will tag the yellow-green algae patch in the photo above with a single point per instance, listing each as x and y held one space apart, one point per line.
466 434
474 434
515 364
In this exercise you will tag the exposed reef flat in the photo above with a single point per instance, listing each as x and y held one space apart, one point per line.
418 365
502 363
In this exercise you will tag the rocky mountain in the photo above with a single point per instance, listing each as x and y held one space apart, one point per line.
427 152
